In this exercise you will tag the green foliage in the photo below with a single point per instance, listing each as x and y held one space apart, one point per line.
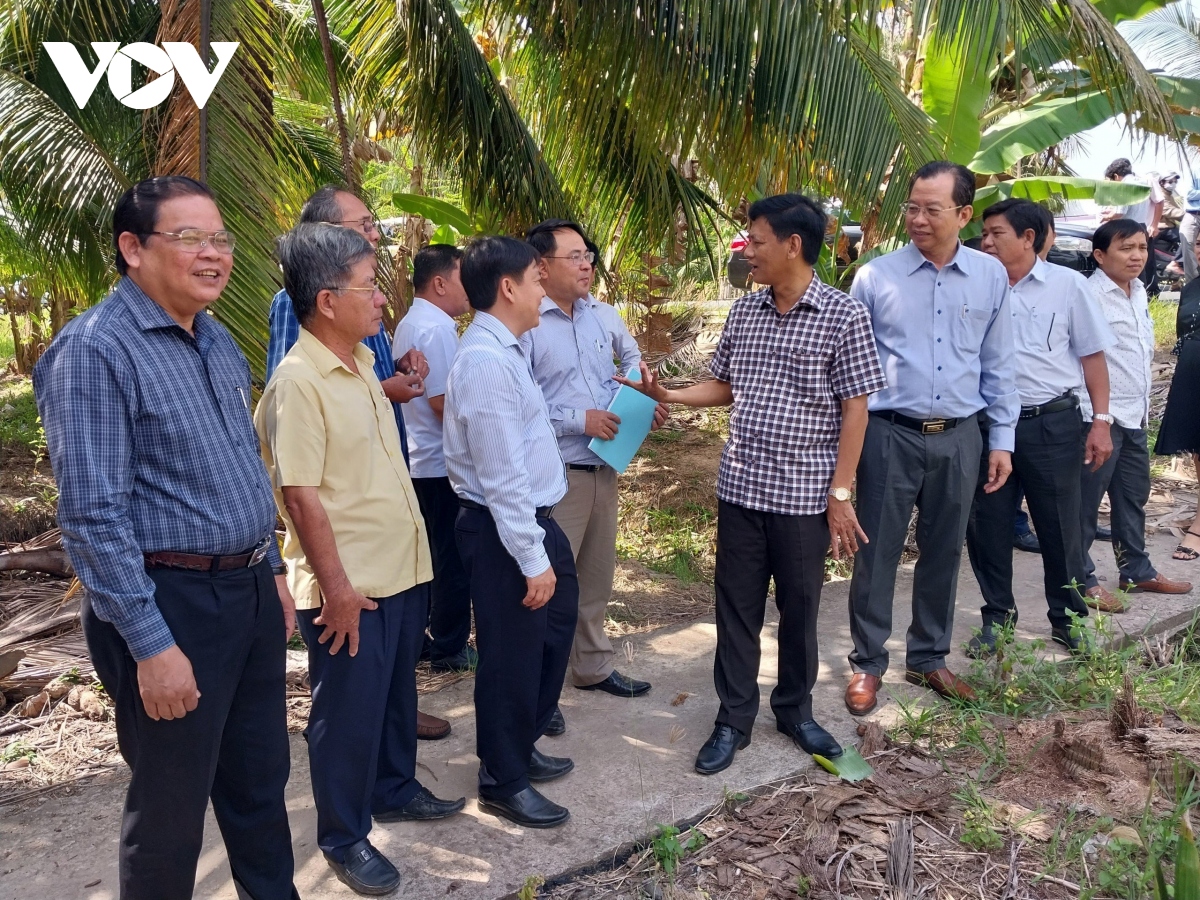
439 212
1033 128
668 849
979 830
803 885
850 766
1162 314
20 427
955 89
17 750
529 890
1187 868
1120 10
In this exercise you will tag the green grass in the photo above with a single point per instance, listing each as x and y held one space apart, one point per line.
7 349
1162 313
20 427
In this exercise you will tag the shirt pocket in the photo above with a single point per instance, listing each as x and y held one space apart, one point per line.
1042 332
970 326
808 374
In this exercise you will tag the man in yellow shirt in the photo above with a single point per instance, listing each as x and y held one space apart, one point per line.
357 553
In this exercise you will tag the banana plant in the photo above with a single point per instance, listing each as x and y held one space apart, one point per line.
1187 868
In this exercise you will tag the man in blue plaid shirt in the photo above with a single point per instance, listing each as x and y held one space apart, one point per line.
167 516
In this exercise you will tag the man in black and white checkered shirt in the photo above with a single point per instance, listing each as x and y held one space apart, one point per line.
796 360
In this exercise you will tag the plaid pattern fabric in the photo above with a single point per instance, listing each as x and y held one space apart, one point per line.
152 445
284 331
789 374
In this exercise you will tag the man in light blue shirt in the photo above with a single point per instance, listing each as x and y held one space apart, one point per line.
429 328
572 353
940 315
503 462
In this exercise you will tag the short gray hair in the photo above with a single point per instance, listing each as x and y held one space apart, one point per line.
317 256
323 206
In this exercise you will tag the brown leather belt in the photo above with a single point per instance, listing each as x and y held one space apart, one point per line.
195 562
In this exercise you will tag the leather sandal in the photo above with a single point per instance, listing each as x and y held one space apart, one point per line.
1186 553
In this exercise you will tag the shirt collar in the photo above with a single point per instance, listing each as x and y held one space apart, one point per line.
149 315
960 261
813 296
497 329
1106 285
548 305
325 360
1039 272
431 309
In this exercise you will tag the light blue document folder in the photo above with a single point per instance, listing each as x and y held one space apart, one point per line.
636 412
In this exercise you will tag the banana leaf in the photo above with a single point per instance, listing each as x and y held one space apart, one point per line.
1045 187
850 766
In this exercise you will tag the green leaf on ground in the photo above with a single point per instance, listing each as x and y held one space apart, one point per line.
850 766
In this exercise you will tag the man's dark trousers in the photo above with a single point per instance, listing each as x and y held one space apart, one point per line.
450 600
752 548
523 652
1048 461
1126 478
362 729
232 748
899 468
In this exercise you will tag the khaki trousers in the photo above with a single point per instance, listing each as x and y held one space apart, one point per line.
588 516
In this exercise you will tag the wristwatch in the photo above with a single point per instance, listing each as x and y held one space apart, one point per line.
842 494
280 569
1103 417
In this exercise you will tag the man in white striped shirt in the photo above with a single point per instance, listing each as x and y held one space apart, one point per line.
503 462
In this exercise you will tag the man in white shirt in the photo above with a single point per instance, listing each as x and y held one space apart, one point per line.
1148 211
1059 337
429 327
1120 249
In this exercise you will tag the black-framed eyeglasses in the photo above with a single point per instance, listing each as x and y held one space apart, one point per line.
576 258
193 240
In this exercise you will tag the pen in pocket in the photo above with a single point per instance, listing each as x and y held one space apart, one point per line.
243 396
1050 331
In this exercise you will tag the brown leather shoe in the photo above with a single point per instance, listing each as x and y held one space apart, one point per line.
861 693
1158 585
431 728
1104 601
944 682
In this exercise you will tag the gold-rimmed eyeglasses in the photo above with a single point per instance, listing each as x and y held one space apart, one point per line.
912 210
576 258
193 240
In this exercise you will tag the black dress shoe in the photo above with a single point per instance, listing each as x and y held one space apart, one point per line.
812 738
365 870
465 660
617 685
547 768
528 808
1027 541
982 645
422 808
717 753
1103 534
557 726
1076 640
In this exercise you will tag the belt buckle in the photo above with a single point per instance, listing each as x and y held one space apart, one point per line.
933 426
259 554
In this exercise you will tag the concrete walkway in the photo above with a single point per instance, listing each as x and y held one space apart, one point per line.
633 765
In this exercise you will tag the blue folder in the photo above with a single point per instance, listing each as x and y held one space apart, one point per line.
636 412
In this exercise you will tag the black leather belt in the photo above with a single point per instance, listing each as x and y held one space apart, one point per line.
1058 404
542 512
925 426
580 467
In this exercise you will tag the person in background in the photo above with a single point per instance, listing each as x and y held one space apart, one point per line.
167 517
1060 338
401 380
1180 428
356 550
944 332
1148 212
1189 228
1120 248
429 328
504 464
796 360
572 353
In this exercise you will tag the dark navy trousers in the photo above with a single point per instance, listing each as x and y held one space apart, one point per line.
523 652
362 730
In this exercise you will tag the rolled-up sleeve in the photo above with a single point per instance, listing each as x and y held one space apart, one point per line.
87 398
491 418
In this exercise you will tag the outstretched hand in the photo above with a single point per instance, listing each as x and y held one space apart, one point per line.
649 384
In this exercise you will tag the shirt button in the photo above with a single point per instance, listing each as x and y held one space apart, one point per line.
938 397
939 340
939 368
939 312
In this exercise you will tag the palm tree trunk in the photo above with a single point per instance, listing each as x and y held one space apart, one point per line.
331 70
205 35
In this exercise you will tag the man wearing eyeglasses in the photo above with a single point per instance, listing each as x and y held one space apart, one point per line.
401 380
357 552
573 353
167 516
944 335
